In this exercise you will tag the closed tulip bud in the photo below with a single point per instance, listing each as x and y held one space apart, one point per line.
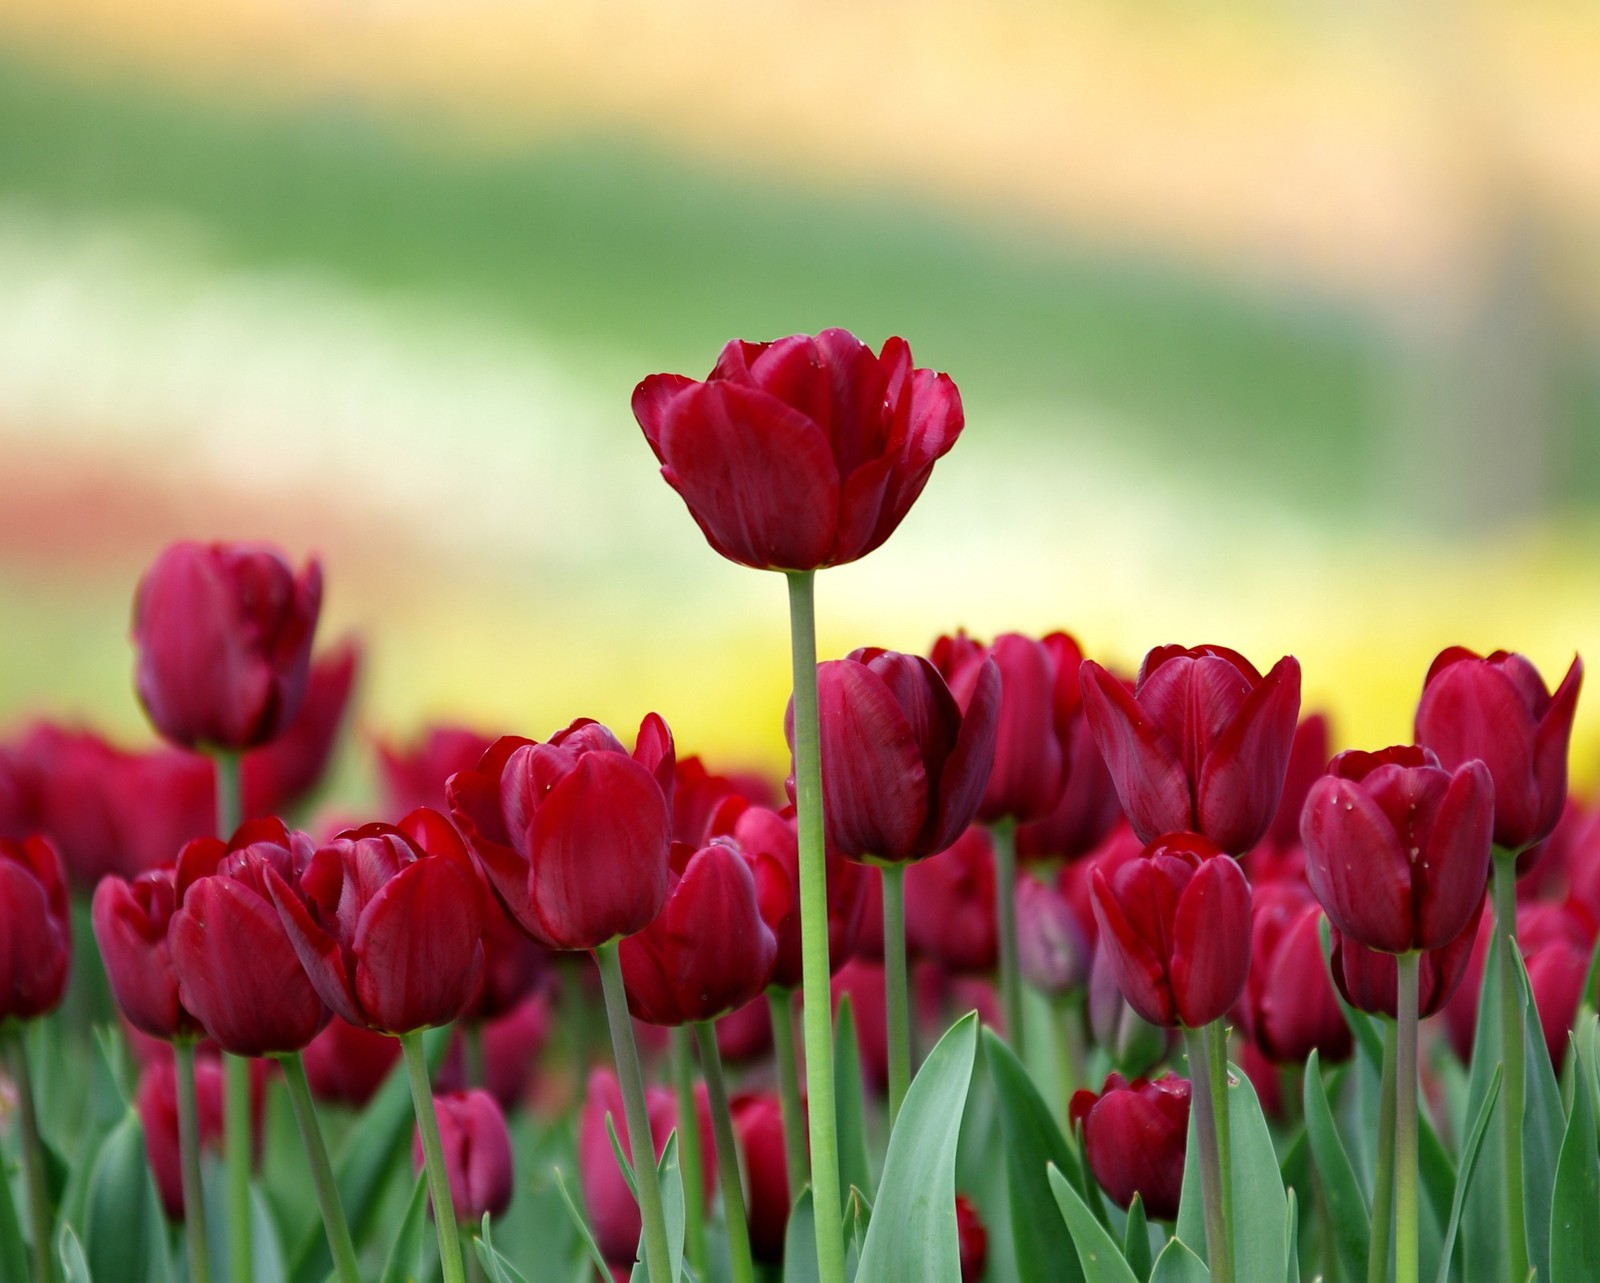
712 947
1496 709
131 920
346 1064
862 982
1369 980
1134 1137
949 905
477 1154
1201 744
758 1131
387 921
972 1239
156 1101
35 929
800 453
1176 925
903 767
1289 1007
237 969
512 1043
744 1035
1053 950
572 835
286 770
413 775
1397 848
223 634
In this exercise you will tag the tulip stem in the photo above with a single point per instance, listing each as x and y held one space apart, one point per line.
657 1255
1512 1089
1383 1178
1067 1023
194 1203
444 1214
472 1062
333 1219
32 1160
781 1003
897 1005
1219 1251
744 1270
1405 1109
1216 1036
694 1190
1004 833
826 1207
236 1158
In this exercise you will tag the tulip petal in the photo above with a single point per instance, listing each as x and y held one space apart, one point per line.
1356 865
1550 744
1471 709
317 950
874 784
418 950
965 776
33 945
1243 774
1210 942
1141 974
1144 764
651 400
1453 867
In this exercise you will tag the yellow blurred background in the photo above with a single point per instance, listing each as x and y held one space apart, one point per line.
1277 326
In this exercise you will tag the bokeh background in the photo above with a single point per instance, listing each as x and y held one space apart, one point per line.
1276 325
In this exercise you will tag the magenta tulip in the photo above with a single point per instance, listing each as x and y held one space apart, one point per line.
414 774
477 1154
346 1064
131 920
950 910
1369 979
1289 1008
758 1131
35 929
286 770
1134 1138
156 1101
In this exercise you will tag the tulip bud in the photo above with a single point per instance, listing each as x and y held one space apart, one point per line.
1134 1137
35 929
744 1035
1053 950
1496 709
863 982
131 921
157 1104
972 1239
477 1154
950 905
1289 1007
414 775
280 774
346 1064
1369 980
512 1043
758 1129
223 633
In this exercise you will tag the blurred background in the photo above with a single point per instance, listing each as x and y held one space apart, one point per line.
1276 326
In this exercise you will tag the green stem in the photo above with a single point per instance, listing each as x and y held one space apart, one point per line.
333 1219
781 1003
444 1213
896 1002
657 1256
230 805
1004 833
1405 1132
194 1203
826 1207
1512 1089
1219 1251
1383 1179
1216 1037
472 1061
694 1196
33 1161
236 1158
744 1270
1067 1024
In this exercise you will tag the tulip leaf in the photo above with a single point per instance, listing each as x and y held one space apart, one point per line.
800 1243
266 1253
124 1228
496 1266
855 1167
74 1268
1177 1264
669 1180
1469 1163
1292 1274
13 1253
857 1219
621 1156
585 1236
1136 1239
1544 1126
1574 1225
913 1231
404 1260
1341 1194
1096 1249
1033 1142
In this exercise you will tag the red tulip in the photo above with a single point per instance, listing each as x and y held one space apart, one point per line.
800 453
972 1238
477 1154
863 982
713 945
1134 1137
1397 848
744 1035
131 920
414 775
1201 744
1176 925
698 799
949 905
1496 709
1053 949
1289 1007
236 966
758 1130
157 1103
16 801
223 633
35 929
511 1046
903 768
1308 760
1369 980
388 922
283 772
573 834
346 1064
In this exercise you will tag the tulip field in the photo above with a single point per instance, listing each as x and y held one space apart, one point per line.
1032 969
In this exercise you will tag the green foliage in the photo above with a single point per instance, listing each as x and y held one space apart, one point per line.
124 1228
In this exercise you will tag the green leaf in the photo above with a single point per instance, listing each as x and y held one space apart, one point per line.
266 1252
1097 1250
913 1232
1136 1239
1574 1223
496 1266
621 1156
669 1180
1469 1162
124 1228
13 1252
1483 1220
800 1243
74 1269
850 1106
1177 1264
1341 1194
1292 1274
584 1235
1032 1143
405 1256
1544 1126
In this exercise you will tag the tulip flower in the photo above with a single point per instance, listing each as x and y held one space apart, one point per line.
1397 847
414 775
572 834
477 1154
972 1238
35 929
950 910
223 634
283 772
388 922
744 1035
800 453
758 1126
1134 1137
1368 979
1176 925
1308 760
131 920
1053 949
1496 708
346 1063
1289 1008
699 797
1200 744
512 1043
156 1101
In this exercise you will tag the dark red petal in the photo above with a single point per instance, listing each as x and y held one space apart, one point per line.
1143 763
1237 793
319 953
418 950
966 772
1454 858
1141 973
650 402
1356 866
1211 942
874 784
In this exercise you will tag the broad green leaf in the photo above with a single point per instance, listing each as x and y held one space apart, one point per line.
800 1243
1575 1214
496 1266
405 1256
1097 1250
1544 1126
74 1268
850 1106
582 1226
1347 1210
1469 1163
1483 1220
13 1251
912 1238
124 1229
1032 1143
1177 1264
266 1252
1136 1239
